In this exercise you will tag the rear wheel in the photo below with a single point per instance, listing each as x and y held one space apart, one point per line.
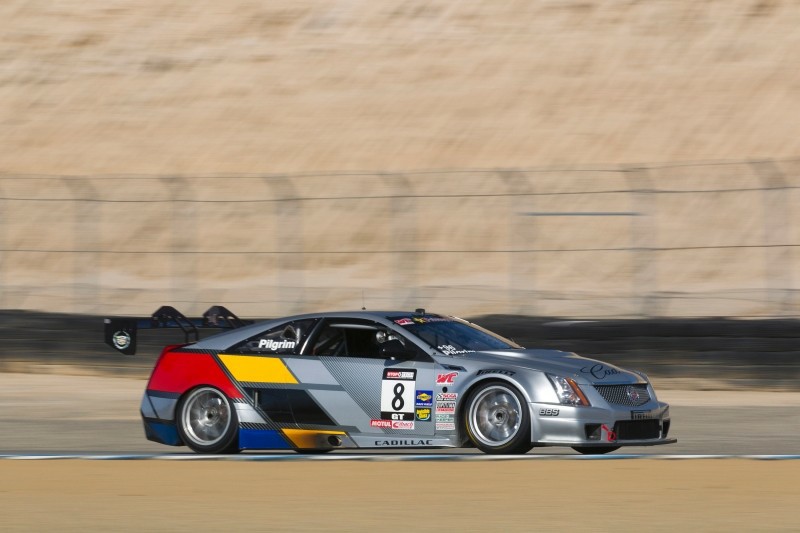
497 419
207 421
595 450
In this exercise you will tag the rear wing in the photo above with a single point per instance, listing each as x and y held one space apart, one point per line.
120 333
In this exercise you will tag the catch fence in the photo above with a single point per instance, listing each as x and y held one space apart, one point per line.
695 239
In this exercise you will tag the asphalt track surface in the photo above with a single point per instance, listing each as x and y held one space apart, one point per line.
47 414
131 484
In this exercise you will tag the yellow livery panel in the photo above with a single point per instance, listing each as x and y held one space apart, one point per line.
255 369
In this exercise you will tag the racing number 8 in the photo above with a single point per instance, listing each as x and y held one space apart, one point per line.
397 401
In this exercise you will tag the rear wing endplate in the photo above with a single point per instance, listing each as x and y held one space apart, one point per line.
121 333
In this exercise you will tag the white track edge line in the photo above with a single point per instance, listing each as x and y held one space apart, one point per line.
381 457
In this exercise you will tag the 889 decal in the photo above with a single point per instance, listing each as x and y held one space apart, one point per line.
397 393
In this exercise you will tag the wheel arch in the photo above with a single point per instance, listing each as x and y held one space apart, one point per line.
482 380
235 422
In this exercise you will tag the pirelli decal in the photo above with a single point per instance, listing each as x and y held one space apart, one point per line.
255 369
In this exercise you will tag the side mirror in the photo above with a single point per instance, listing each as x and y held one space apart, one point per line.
394 349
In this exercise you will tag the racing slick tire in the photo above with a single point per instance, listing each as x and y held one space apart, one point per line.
207 421
595 450
497 420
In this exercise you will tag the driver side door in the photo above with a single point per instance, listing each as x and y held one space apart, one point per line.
395 394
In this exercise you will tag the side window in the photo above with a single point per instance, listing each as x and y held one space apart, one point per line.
285 339
350 338
330 341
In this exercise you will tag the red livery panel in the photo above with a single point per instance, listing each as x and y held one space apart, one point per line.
178 372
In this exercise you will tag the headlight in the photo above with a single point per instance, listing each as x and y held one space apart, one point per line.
568 392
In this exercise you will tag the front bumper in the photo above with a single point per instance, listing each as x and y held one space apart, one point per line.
561 425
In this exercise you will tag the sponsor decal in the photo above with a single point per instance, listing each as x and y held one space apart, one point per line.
400 374
428 319
397 394
607 434
446 396
404 442
445 407
424 398
274 345
446 379
496 371
445 417
548 411
445 426
448 349
391 424
424 414
404 322
643 415
599 371
121 340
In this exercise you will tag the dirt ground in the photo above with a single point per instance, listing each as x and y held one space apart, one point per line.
608 495
377 88
311 85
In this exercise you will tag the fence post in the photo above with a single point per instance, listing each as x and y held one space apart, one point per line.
182 232
86 261
777 261
290 258
406 289
521 236
643 237
4 245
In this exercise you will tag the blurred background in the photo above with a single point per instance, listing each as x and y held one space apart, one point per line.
605 160
683 240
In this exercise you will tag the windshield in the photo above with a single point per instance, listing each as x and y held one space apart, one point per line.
453 336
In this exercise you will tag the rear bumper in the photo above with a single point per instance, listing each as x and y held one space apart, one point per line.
161 431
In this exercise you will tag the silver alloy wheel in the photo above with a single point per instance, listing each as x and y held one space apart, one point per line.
206 416
495 416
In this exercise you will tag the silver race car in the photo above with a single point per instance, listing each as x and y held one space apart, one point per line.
326 381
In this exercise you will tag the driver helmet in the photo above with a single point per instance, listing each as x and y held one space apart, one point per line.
383 336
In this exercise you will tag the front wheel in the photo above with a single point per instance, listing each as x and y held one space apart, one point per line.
595 450
497 419
207 421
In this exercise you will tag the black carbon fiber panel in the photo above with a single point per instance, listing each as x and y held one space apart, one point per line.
291 405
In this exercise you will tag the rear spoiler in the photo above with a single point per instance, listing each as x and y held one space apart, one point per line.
120 333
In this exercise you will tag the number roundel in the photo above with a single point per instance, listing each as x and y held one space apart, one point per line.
397 401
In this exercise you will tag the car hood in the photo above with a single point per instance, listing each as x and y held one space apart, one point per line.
582 369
